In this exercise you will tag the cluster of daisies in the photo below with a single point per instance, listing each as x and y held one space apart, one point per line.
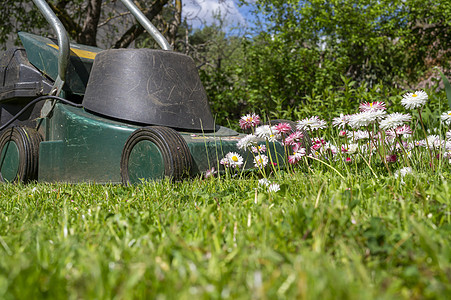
371 131
281 133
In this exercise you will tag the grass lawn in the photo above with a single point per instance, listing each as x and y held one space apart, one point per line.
319 237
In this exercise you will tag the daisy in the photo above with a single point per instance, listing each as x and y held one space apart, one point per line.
329 149
234 159
225 162
298 153
340 121
365 118
266 132
358 135
260 161
434 141
349 149
282 128
448 135
414 100
313 123
249 120
247 142
258 149
448 145
403 172
264 182
294 138
395 120
273 188
403 130
421 143
376 105
446 118
210 172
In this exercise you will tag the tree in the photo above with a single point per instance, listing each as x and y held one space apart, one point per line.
84 18
307 47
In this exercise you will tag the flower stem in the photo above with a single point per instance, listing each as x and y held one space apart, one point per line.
426 137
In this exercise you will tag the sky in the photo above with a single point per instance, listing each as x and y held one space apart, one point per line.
196 11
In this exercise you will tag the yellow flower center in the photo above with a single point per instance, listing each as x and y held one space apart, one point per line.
371 104
449 113
234 158
414 95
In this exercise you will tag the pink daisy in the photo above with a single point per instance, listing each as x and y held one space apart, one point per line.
249 120
294 138
370 106
282 128
258 149
298 153
405 129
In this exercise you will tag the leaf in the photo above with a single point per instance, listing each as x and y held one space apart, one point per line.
447 87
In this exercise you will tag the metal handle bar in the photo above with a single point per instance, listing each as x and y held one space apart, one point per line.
145 22
63 43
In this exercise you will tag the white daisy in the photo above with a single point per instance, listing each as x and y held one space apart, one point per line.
234 159
395 120
446 118
447 145
435 141
358 135
403 172
414 100
365 118
340 121
247 142
313 123
350 148
273 188
328 148
264 182
266 132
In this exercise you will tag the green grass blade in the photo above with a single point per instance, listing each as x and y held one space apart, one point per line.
447 88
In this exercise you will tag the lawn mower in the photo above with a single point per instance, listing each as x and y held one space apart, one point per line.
74 113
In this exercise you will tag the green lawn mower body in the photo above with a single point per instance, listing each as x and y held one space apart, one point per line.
135 114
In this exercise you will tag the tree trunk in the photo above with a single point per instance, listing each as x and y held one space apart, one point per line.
88 34
175 23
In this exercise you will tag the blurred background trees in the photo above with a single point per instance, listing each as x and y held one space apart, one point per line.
317 56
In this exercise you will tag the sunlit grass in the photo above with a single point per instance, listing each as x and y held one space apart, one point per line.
320 236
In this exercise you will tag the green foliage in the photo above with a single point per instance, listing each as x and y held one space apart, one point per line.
303 49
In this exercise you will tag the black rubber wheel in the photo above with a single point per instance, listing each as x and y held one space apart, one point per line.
154 152
19 154
306 141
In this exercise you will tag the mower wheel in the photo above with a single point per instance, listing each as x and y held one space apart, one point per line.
306 141
155 152
19 154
